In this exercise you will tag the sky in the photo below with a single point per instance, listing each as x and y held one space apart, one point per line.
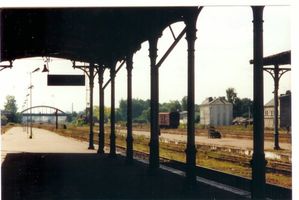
224 47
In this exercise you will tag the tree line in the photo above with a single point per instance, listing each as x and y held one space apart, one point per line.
242 107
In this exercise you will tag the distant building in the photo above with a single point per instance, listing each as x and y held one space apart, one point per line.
269 114
284 112
216 112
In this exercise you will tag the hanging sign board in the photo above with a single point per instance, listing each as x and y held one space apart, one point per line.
66 80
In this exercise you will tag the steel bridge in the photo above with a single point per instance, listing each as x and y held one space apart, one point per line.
43 114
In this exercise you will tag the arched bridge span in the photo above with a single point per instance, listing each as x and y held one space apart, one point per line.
56 111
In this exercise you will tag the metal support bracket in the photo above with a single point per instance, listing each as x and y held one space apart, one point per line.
173 35
176 41
116 71
281 71
2 67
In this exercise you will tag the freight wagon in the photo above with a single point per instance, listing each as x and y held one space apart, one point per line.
169 119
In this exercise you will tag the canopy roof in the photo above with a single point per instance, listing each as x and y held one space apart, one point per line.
97 35
283 58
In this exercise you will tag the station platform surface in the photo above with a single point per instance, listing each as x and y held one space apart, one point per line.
50 166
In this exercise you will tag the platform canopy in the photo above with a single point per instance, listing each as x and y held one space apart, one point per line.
96 35
283 58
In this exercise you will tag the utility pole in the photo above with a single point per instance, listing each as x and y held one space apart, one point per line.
30 87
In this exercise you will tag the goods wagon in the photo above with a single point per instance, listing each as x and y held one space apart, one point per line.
169 119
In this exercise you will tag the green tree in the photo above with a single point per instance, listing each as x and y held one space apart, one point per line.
246 107
144 117
241 107
71 117
96 112
3 120
231 95
11 107
184 104
171 106
138 107
107 112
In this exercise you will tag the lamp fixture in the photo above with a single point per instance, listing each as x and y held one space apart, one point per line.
45 68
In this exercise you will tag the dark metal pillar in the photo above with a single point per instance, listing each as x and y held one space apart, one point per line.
112 115
191 148
91 79
276 82
102 113
258 162
154 113
276 74
129 158
56 119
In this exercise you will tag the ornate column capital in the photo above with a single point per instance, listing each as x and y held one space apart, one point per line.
129 61
112 70
190 21
153 42
101 74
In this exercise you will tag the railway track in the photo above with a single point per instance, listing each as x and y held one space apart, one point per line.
272 167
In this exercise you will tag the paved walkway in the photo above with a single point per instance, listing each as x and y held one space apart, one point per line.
16 140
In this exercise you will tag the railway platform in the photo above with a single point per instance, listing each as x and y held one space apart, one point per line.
50 166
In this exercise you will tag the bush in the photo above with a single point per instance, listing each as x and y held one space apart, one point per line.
140 121
79 122
183 126
3 120
200 126
11 124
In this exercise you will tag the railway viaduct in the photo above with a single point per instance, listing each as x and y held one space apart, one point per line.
104 36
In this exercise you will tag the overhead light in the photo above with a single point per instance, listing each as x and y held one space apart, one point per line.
45 68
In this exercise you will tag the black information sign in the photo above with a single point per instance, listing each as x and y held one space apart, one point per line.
66 80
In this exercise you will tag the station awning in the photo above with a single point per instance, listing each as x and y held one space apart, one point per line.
283 58
96 35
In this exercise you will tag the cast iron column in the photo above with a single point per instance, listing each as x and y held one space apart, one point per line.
91 71
276 82
102 113
276 73
154 113
191 148
129 157
112 115
258 162
56 119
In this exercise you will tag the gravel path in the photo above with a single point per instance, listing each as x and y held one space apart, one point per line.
228 142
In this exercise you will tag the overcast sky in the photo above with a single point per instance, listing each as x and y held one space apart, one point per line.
224 47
